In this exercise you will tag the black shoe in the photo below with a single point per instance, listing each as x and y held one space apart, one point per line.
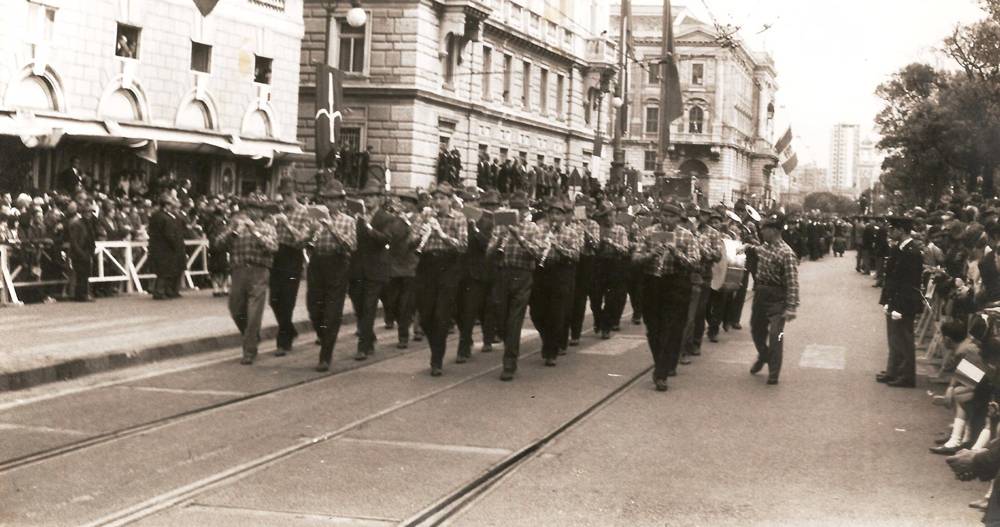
507 375
323 366
435 371
605 335
672 373
281 352
551 361
636 321
757 366
695 352
883 377
713 338
736 326
461 359
685 360
417 337
487 348
389 324
246 360
360 356
980 504
661 385
318 341
402 345
574 341
945 450
616 327
772 380
902 383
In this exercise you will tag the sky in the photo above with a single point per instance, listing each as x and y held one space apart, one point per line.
831 55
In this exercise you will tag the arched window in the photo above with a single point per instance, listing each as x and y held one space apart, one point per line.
696 120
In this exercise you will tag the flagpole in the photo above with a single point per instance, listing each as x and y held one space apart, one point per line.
618 152
663 125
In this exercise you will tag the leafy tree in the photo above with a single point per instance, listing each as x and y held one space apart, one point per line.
829 202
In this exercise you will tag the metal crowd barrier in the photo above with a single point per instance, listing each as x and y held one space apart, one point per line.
114 262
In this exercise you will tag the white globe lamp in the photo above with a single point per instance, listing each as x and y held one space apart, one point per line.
617 102
356 17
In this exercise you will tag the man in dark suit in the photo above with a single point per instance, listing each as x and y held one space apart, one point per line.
902 301
370 266
166 249
82 236
71 179
484 173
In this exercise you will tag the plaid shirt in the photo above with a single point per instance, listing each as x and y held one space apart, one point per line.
710 243
455 226
777 266
614 241
518 255
686 257
339 237
254 247
567 242
591 231
301 224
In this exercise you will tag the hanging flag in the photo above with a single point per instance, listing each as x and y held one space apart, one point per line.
789 164
789 159
671 106
205 6
329 103
784 141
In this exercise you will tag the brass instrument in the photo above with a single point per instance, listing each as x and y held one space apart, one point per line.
549 239
428 216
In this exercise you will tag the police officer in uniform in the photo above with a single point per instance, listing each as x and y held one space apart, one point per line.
902 301
776 295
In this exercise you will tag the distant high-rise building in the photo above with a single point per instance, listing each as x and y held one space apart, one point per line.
844 155
869 166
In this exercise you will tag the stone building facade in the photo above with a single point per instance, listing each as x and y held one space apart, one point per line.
103 80
503 77
725 136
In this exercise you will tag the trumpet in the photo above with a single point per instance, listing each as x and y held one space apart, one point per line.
428 220
503 243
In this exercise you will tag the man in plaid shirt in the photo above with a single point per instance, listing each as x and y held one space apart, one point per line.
251 242
775 297
519 247
710 245
552 285
294 226
607 297
666 266
583 288
334 240
444 237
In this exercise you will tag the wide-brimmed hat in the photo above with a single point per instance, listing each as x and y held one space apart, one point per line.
670 208
519 200
558 204
333 189
901 222
444 188
490 197
776 221
407 194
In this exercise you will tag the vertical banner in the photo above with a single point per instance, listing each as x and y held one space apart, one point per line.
329 97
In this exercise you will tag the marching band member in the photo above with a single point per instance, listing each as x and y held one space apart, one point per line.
444 237
718 300
710 244
251 241
519 247
552 288
369 265
294 227
334 240
775 296
608 292
666 283
585 270
398 297
479 271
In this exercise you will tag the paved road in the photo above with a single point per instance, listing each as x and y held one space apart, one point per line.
385 443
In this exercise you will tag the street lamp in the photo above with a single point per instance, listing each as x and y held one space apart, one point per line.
356 17
617 102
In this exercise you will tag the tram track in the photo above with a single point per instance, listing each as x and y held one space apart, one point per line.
34 458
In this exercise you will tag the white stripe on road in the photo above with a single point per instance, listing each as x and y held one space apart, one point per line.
460 449
614 346
224 393
288 517
41 429
823 357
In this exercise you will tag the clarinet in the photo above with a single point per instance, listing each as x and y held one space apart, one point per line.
548 248
427 235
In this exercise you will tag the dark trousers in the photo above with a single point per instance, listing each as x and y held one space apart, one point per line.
902 349
82 268
734 311
167 285
364 295
286 273
767 326
665 307
551 299
399 302
582 288
326 287
715 313
634 280
473 302
696 315
511 293
437 290
607 296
